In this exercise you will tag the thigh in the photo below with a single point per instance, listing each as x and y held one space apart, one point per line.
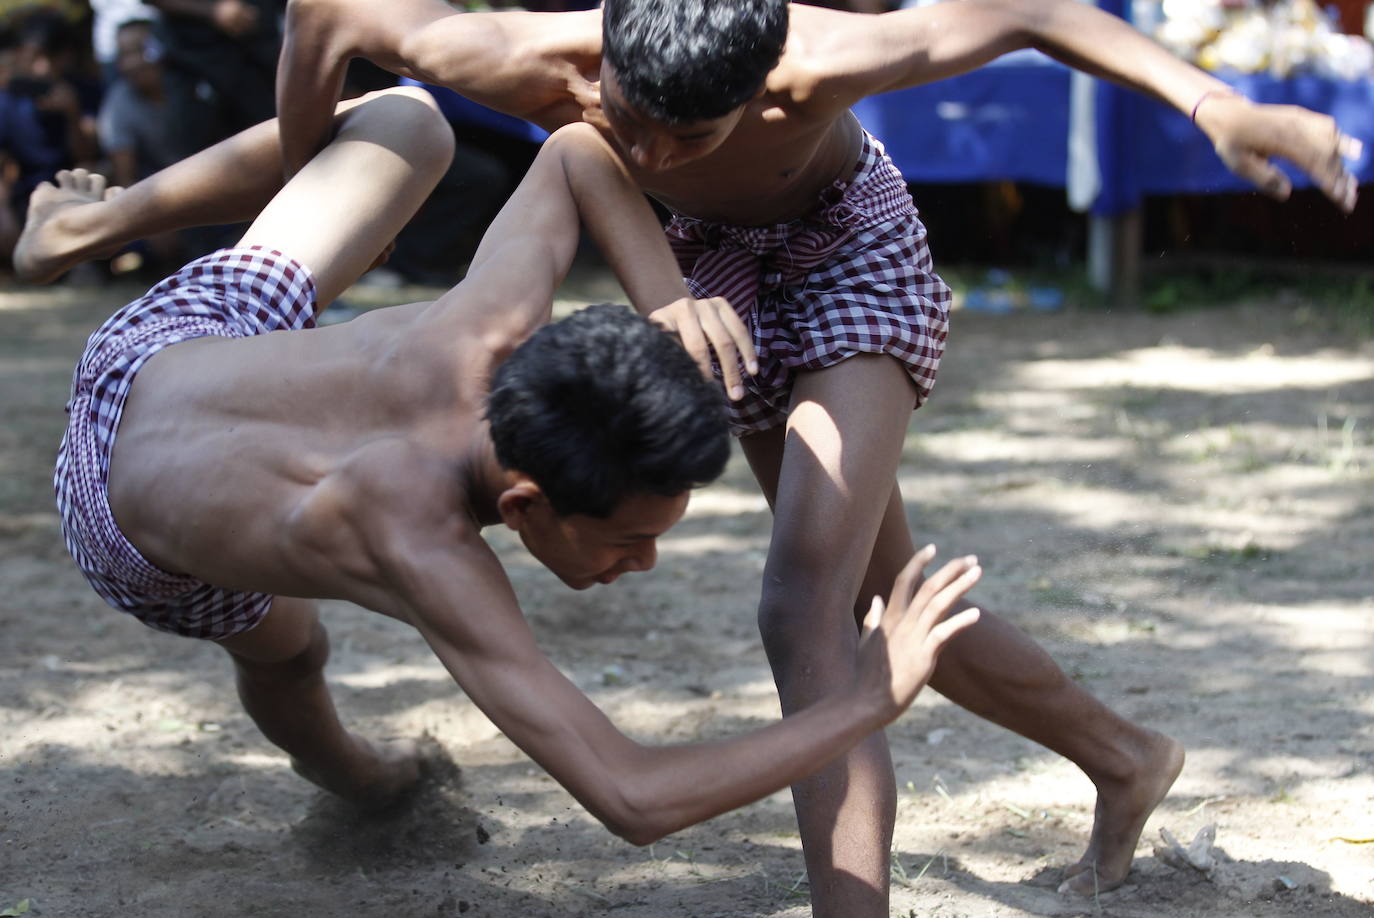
834 473
336 214
285 632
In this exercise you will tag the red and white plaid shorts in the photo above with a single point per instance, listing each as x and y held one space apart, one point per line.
232 293
854 276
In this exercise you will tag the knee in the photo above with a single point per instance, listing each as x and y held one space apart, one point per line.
806 638
307 662
408 119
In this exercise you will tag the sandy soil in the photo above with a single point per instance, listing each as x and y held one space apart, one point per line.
1178 507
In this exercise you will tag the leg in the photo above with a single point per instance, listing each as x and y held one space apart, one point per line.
280 668
996 671
338 213
828 482
76 218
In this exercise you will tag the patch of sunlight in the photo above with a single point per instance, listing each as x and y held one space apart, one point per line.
1000 446
1087 508
1293 768
719 501
258 761
1345 663
706 544
30 300
1337 638
1238 772
384 674
1198 369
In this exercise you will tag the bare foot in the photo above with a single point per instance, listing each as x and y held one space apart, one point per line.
379 774
52 241
1122 809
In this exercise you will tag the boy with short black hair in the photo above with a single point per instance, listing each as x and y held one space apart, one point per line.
784 206
225 459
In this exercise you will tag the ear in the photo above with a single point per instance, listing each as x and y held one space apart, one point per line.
515 503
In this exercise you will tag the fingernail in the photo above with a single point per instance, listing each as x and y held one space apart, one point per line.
972 559
737 392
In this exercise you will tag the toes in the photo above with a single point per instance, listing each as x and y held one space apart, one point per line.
96 185
113 191
1084 880
81 180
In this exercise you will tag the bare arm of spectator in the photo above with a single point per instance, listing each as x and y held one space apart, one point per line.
232 17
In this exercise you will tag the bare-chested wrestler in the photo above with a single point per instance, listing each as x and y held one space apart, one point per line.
224 456
783 205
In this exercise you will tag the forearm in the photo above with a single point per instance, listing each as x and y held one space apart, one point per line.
310 76
669 788
1102 45
930 43
620 221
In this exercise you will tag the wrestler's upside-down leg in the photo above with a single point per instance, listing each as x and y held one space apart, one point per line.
76 218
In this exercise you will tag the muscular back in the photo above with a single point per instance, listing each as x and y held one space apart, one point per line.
236 460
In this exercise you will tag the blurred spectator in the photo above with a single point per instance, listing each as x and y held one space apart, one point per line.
106 18
51 67
48 95
135 130
221 61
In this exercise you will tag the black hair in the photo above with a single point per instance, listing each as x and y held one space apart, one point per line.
680 61
605 405
50 31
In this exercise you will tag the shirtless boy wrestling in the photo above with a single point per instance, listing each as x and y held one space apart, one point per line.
735 115
226 461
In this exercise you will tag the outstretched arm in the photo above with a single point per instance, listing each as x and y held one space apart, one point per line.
523 64
864 55
642 792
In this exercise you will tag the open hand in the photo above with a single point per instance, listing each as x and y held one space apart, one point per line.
902 639
1247 136
710 325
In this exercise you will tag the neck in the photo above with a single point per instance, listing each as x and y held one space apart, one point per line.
483 479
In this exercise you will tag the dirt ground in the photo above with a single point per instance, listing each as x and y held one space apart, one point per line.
1178 507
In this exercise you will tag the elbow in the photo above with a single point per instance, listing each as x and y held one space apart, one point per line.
635 818
637 829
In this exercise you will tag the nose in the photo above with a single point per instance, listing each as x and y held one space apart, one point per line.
643 559
651 156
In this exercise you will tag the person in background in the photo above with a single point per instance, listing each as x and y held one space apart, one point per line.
220 62
136 130
106 18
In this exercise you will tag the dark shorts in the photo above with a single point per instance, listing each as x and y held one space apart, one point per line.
854 276
233 293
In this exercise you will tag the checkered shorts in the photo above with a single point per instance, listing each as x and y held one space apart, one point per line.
854 276
233 293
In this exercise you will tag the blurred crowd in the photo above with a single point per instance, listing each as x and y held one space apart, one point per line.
127 87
